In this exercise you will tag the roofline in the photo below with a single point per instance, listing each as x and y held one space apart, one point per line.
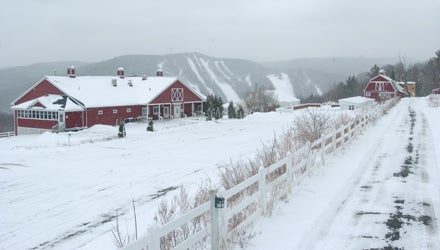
177 79
27 90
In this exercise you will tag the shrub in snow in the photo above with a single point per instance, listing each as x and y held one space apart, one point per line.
179 205
311 124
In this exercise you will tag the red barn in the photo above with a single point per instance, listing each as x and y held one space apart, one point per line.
76 102
436 91
382 87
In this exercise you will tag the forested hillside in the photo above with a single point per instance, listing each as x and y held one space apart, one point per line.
425 74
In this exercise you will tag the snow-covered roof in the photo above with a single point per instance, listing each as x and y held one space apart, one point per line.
98 91
395 84
51 102
357 99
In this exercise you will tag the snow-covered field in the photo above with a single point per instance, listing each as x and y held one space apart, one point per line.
53 195
60 191
383 190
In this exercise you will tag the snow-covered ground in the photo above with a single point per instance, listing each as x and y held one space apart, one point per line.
382 190
53 195
63 192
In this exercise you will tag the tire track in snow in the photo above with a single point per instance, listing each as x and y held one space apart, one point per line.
384 197
320 229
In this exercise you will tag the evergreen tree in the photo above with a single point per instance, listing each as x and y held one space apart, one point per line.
213 107
240 112
231 111
374 71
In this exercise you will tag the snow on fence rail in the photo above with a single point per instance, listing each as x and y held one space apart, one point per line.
255 196
7 134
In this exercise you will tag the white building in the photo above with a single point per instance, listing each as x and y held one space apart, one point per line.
356 102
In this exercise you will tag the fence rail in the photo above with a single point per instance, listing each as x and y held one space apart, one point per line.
258 194
7 134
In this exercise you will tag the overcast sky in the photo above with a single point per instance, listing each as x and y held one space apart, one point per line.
260 30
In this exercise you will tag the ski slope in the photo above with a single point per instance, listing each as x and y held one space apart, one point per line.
383 190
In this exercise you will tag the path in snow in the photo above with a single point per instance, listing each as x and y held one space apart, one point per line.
381 192
391 205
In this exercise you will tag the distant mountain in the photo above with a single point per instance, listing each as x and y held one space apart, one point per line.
346 66
231 79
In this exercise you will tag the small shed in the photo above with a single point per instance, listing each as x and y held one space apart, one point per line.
356 102
436 91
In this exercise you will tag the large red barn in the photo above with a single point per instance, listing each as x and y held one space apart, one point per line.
75 102
382 87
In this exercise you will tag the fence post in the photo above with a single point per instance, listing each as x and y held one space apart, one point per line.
342 136
323 150
214 221
223 223
262 187
309 156
289 170
153 231
335 131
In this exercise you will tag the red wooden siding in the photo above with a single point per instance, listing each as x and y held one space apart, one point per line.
110 118
165 96
34 123
74 119
41 89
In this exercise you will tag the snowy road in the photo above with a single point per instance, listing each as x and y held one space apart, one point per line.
383 191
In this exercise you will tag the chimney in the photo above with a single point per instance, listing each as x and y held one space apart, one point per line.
120 72
130 83
144 77
71 71
382 72
114 82
159 72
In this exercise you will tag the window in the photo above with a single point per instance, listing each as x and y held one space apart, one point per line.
156 110
128 110
367 93
115 111
380 86
144 110
100 112
350 107
177 95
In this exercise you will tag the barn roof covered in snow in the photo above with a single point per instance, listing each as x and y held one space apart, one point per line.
51 102
106 91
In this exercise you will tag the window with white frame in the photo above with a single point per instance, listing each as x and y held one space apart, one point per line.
176 94
100 112
128 110
156 110
38 114
367 93
115 111
380 86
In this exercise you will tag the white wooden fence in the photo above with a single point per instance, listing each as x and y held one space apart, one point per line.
7 134
257 195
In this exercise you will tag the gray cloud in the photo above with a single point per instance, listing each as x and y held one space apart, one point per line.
49 30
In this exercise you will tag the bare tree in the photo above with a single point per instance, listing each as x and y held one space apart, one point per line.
261 101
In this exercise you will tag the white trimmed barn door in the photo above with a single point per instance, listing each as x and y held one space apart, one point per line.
177 110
